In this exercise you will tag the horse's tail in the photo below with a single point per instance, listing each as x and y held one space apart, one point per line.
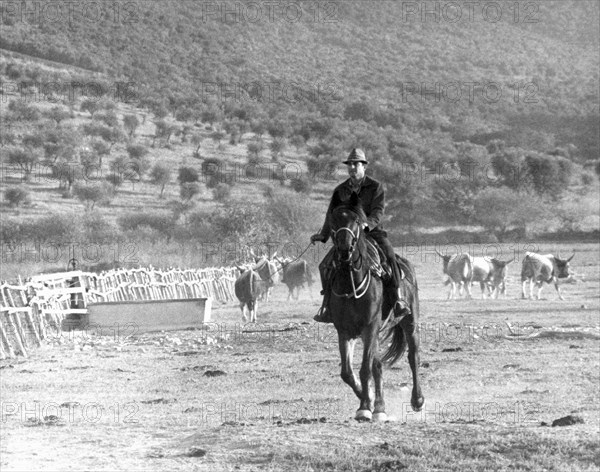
397 347
410 293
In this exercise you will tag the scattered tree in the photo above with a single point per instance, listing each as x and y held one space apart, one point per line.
130 123
188 190
160 175
92 193
187 175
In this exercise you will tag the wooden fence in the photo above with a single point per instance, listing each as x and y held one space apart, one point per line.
34 310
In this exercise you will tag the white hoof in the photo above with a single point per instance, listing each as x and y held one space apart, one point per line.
363 415
380 417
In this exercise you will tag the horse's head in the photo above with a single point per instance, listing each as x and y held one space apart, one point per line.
347 220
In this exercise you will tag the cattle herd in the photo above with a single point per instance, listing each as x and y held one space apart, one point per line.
256 280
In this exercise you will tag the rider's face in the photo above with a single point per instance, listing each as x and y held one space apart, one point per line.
356 170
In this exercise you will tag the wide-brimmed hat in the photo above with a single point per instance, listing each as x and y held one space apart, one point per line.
356 155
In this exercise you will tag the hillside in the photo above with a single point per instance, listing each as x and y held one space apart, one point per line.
454 115
353 50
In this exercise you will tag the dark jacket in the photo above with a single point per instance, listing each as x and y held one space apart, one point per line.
372 198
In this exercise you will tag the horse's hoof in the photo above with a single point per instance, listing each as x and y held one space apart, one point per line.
417 404
363 415
380 417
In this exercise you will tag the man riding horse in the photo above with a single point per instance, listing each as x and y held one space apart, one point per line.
372 198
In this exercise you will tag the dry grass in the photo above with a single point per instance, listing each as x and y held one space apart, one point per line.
281 404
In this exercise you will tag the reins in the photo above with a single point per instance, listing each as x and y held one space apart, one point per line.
364 285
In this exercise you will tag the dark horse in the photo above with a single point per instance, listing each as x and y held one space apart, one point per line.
357 304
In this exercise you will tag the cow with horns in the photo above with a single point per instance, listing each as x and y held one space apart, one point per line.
538 268
491 275
296 274
248 288
268 272
459 269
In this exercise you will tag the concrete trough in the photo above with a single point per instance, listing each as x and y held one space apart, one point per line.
134 317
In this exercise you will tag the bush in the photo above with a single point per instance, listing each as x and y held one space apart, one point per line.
93 193
127 169
187 175
301 185
499 210
97 228
162 223
291 214
241 221
57 227
221 192
189 190
137 151
15 196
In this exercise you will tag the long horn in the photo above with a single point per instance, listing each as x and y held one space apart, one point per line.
571 257
439 254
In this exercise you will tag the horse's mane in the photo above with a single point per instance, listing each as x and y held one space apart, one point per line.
350 206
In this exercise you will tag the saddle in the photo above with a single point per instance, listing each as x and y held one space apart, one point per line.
375 260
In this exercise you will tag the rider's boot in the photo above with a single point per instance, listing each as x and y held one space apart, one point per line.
324 314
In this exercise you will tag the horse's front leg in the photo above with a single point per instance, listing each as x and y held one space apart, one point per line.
347 353
408 326
371 346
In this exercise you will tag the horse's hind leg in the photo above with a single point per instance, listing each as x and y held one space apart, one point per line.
346 346
379 410
412 340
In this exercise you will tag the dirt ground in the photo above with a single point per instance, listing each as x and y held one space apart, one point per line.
269 396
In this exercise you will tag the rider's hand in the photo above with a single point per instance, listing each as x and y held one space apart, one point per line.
317 237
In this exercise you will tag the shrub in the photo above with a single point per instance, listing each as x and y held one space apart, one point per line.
57 227
189 190
301 185
131 170
187 175
108 117
137 151
90 106
162 223
277 147
97 228
16 196
130 123
92 193
254 149
500 209
221 192
291 214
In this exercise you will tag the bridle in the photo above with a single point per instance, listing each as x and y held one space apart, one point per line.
357 292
